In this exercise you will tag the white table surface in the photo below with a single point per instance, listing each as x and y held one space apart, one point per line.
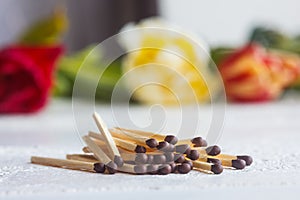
269 132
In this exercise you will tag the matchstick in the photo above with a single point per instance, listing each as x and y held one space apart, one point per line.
69 164
205 158
82 157
236 163
247 159
138 158
172 139
133 169
195 142
211 150
130 146
150 142
100 155
112 148
214 168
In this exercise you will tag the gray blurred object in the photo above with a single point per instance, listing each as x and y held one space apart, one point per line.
91 21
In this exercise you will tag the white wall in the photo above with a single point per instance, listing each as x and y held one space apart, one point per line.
230 21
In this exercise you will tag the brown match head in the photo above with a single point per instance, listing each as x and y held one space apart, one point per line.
152 143
184 168
213 150
111 167
169 156
152 169
217 169
162 146
179 158
247 159
238 164
199 142
119 161
141 158
182 148
159 159
140 169
214 160
172 139
173 167
99 167
189 162
150 159
193 155
140 149
164 169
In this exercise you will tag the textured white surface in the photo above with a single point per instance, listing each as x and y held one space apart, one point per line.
268 132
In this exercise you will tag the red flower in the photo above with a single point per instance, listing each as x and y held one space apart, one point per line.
26 77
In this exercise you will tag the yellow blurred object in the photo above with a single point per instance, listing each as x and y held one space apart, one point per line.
47 31
167 66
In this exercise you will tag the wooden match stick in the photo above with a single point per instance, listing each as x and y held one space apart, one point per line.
211 150
112 148
195 142
204 158
214 168
100 154
234 163
82 157
247 159
133 169
69 164
150 142
172 139
130 146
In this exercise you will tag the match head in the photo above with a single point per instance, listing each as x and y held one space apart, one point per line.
184 168
99 167
119 161
169 156
111 167
238 164
172 139
152 143
183 148
247 159
140 149
199 142
189 162
150 159
213 150
164 169
214 160
179 158
141 158
152 169
140 169
193 155
159 159
173 167
217 169
162 146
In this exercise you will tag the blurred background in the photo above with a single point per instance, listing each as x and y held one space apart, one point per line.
255 45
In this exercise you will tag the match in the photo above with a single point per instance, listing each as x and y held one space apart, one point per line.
247 159
195 142
100 154
112 148
208 167
133 169
211 150
150 142
124 144
69 164
172 139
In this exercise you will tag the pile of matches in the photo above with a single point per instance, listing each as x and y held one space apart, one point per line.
139 152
